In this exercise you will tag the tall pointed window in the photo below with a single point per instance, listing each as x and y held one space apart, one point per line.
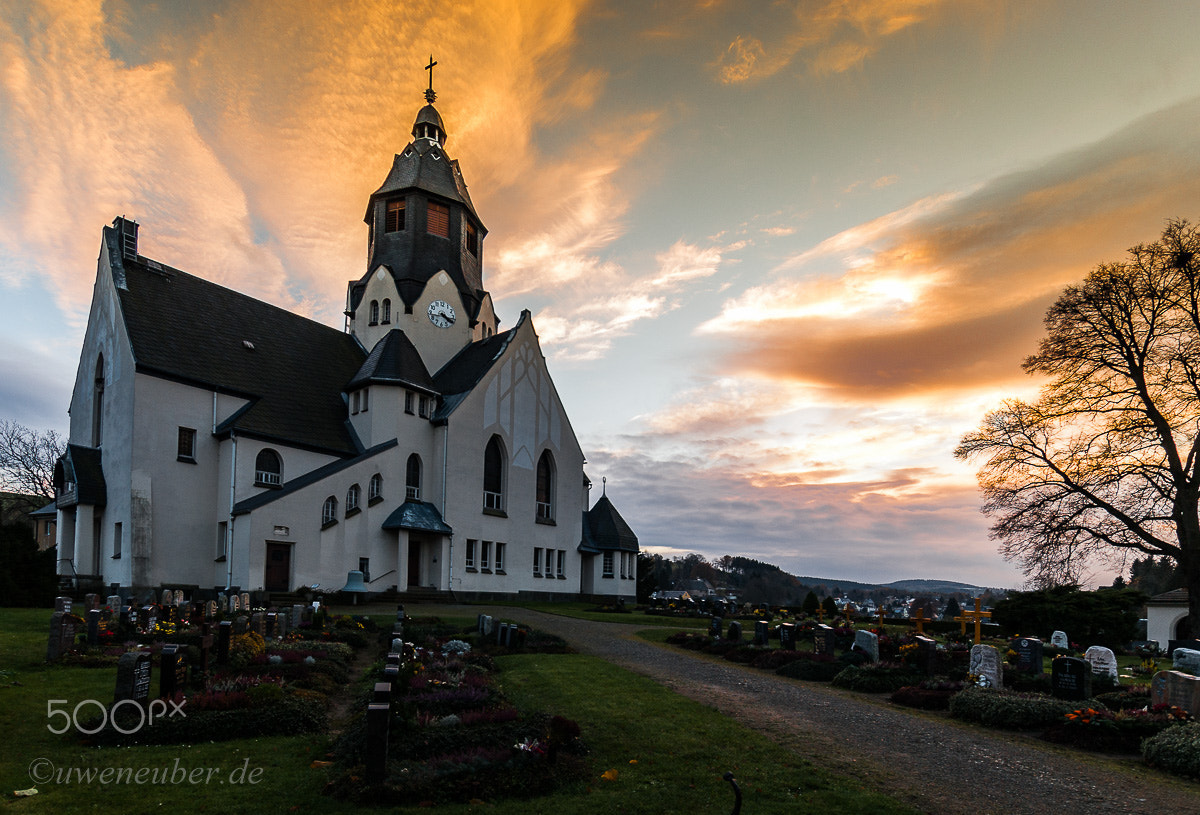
495 462
472 239
394 220
374 320
386 317
545 487
412 478
268 469
439 219
98 403
375 489
329 512
352 498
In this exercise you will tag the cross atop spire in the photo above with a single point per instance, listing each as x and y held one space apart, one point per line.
430 96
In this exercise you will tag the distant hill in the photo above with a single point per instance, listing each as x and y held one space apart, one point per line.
906 586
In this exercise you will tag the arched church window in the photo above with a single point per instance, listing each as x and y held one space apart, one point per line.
394 219
98 402
329 511
375 488
545 487
495 462
352 498
412 478
374 312
386 317
268 468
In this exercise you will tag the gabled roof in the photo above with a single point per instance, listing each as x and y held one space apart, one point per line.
311 477
1177 597
393 361
187 329
419 516
80 466
458 377
604 529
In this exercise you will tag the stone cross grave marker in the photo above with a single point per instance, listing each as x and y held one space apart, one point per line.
1070 678
978 616
985 664
133 677
920 621
1186 660
1059 639
868 643
1029 655
1103 661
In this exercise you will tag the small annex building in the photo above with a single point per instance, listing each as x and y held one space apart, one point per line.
218 441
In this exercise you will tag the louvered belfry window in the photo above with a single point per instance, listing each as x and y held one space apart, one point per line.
395 216
439 220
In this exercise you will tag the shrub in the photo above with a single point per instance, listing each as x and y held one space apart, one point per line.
1131 698
1176 750
1120 731
776 658
882 678
923 698
1008 710
813 669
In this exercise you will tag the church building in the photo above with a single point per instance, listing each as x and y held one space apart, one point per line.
218 441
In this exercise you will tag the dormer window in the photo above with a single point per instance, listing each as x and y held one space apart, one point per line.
394 220
472 239
439 219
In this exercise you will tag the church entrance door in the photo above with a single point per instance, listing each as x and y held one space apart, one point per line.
414 563
278 570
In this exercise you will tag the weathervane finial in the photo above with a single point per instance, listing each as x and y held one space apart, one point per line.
429 94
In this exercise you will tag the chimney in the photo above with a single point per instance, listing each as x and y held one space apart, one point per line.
128 232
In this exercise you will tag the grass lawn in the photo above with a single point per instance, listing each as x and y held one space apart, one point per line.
681 749
586 611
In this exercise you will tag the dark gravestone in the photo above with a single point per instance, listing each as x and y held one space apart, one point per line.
62 635
391 675
258 623
206 644
241 625
62 604
272 630
714 627
735 631
1071 678
224 630
501 633
510 636
150 618
787 636
172 671
823 640
133 677
376 748
93 627
382 694
1029 655
762 632
926 655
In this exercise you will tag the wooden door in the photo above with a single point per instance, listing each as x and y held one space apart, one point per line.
278 573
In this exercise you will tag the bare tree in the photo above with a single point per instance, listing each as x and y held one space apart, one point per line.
1105 465
27 460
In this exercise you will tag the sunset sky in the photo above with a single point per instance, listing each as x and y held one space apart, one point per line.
780 255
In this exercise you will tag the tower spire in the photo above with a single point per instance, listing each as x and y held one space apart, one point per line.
430 96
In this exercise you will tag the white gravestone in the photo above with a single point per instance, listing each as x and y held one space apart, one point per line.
1186 660
985 664
1059 639
868 643
1103 661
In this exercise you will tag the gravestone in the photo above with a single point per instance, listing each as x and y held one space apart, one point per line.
62 635
282 624
91 601
172 671
1192 645
714 627
376 748
245 601
510 636
272 627
206 644
479 623
1186 660
133 677
391 674
501 633
258 623
178 597
241 624
735 631
824 640
62 605
787 636
1175 688
223 632
762 633
128 617
210 610
382 695
1059 640
868 643
168 598
985 664
114 602
235 603
297 615
488 624
93 627
1070 678
926 655
1029 655
150 618
1103 661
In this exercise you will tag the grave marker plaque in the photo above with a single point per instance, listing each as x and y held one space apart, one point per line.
823 640
1059 639
172 671
133 677
1070 678
787 636
1103 662
93 627
1029 655
762 633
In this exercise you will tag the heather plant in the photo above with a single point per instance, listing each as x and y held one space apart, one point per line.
1176 750
1008 710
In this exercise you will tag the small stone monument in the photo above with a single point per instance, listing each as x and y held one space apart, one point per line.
926 655
133 677
868 643
1103 661
62 635
1185 660
985 664
114 602
1059 640
168 598
1175 688
735 631
762 633
62 605
1029 655
93 627
787 636
824 640
1070 679
224 630
714 627
172 671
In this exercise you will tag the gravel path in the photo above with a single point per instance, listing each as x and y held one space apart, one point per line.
933 763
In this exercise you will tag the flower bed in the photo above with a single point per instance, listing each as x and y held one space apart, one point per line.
1113 731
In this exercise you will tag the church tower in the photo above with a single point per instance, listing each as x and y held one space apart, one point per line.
424 252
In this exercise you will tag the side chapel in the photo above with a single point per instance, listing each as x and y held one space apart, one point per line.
219 441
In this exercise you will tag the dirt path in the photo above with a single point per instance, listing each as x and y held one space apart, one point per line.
935 764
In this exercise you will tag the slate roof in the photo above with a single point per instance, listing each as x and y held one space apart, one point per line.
424 165
48 511
311 477
458 377
81 466
604 529
394 361
190 330
1177 597
419 516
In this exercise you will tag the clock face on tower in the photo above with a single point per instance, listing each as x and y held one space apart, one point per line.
441 313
